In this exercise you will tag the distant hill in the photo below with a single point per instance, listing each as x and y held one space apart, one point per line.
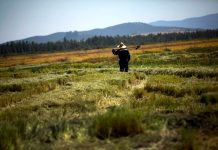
135 28
205 22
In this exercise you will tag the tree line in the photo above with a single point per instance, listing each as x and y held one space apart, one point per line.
98 42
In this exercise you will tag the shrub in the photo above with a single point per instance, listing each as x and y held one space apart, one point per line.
117 123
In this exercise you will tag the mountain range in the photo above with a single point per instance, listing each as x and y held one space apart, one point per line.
204 22
134 28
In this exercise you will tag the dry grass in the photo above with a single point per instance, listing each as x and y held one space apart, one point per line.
70 105
78 56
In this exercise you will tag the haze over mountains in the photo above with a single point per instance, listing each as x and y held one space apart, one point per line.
135 28
205 22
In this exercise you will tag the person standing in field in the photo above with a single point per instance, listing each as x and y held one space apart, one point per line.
124 56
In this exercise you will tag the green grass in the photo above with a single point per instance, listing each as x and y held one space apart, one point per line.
194 56
17 91
168 100
117 123
177 86
209 98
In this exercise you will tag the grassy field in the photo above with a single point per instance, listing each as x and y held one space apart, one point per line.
79 100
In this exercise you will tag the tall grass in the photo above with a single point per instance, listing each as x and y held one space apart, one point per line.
197 49
12 134
117 123
178 87
145 108
209 98
188 139
182 72
138 93
9 138
16 92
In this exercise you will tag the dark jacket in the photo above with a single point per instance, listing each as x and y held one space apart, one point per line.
123 54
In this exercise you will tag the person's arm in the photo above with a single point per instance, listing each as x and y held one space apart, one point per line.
129 56
115 51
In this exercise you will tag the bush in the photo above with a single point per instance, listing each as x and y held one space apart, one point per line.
117 123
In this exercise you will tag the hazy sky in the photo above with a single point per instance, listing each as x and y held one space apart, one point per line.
24 18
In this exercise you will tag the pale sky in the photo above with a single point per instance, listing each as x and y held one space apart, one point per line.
24 18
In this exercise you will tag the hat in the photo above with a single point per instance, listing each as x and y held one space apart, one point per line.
121 45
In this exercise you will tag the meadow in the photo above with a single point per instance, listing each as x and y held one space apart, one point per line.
80 100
